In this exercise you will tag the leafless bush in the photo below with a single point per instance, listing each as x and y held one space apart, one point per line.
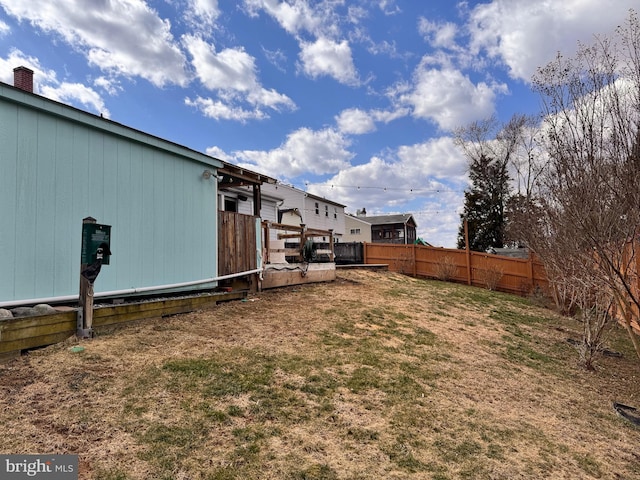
404 264
491 276
595 318
585 224
446 269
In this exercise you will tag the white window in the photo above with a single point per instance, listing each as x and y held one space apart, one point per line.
355 231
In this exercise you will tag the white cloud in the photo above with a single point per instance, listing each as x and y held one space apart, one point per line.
293 16
4 29
109 85
424 168
142 45
16 58
46 83
224 111
277 58
305 150
425 179
438 158
439 35
386 116
270 98
231 73
355 122
76 93
220 154
229 69
525 35
446 96
389 7
356 14
326 57
202 14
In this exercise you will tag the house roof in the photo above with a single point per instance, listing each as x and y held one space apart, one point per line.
229 175
349 216
308 195
38 102
387 219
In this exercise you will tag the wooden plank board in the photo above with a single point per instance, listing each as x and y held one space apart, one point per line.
17 334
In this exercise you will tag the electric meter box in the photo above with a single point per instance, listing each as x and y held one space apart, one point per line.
94 236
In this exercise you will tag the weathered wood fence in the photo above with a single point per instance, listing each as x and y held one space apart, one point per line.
236 243
506 274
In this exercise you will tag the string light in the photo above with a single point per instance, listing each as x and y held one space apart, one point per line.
385 188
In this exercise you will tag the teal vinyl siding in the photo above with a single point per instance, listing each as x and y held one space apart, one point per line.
59 165
8 198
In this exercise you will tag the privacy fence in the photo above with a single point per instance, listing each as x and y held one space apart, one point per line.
496 272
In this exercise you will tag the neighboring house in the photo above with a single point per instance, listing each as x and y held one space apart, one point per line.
357 229
399 228
240 200
313 211
60 164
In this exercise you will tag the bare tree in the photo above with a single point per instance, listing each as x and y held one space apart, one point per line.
503 159
586 223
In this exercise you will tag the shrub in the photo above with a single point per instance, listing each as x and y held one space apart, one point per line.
446 269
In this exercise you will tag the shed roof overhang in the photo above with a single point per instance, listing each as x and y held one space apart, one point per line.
234 176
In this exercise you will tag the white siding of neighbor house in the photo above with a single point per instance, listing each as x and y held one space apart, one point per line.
268 208
327 216
356 230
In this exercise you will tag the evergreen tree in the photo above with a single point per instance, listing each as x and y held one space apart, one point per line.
484 204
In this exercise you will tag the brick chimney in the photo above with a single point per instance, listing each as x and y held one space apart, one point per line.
23 79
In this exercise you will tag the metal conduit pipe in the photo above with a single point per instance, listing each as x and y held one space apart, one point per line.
68 298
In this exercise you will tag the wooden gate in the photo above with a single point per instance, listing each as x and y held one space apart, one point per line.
237 249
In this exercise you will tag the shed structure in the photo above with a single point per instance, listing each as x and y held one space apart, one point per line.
60 164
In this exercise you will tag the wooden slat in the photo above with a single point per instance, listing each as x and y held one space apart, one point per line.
236 243
23 333
29 332
519 275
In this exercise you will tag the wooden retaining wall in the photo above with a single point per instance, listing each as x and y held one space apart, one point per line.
514 275
23 333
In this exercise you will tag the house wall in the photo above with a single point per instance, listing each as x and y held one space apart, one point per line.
268 205
60 165
328 215
356 230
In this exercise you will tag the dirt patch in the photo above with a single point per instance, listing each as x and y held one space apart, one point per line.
375 375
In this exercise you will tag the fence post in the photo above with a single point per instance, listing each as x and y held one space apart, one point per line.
364 253
413 254
467 250
267 241
530 264
333 256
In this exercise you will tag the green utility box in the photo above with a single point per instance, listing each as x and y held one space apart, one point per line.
93 236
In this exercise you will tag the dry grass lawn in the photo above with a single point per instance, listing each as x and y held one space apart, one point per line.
373 376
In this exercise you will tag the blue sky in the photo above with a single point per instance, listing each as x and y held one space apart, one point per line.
354 100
